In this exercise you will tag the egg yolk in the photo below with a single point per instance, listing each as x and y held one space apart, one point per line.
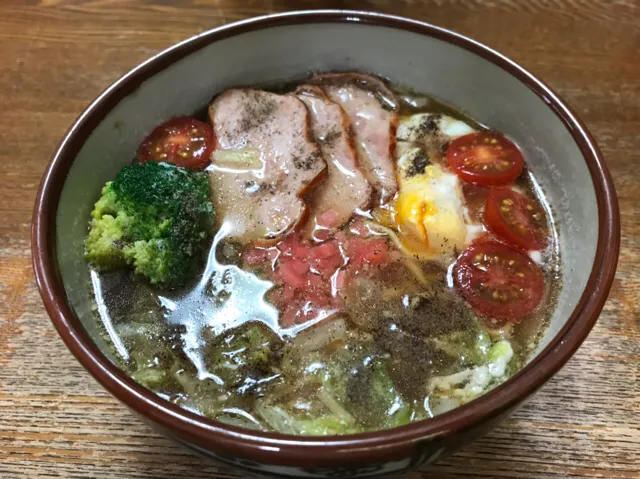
429 215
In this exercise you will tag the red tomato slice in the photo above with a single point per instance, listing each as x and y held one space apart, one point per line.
184 142
498 280
485 159
516 218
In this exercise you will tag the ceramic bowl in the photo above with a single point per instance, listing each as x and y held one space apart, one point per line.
464 73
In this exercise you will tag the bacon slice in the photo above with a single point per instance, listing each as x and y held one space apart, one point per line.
371 108
263 163
345 189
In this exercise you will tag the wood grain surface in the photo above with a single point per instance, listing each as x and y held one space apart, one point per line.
57 55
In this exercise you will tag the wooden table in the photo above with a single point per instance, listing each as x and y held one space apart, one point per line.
57 55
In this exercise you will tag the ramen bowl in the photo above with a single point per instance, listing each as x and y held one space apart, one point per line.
486 85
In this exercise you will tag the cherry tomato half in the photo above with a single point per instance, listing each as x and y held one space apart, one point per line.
185 142
498 280
516 218
485 158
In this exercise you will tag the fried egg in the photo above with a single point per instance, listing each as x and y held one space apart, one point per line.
431 129
430 214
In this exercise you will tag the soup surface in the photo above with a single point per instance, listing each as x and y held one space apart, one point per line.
328 257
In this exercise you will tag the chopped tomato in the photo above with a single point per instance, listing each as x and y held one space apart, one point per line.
516 218
317 298
485 158
326 259
367 251
325 250
185 142
300 267
340 237
316 281
301 250
498 280
289 273
308 277
286 245
377 252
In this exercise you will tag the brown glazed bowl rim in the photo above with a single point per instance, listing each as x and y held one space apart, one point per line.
294 450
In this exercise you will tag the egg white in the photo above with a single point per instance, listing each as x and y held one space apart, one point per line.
431 128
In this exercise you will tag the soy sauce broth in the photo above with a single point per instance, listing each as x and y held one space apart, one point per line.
216 346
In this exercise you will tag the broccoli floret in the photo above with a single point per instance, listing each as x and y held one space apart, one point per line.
153 216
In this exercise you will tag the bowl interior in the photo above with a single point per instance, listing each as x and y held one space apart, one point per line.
453 74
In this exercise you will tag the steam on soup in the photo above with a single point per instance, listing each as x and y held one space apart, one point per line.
333 257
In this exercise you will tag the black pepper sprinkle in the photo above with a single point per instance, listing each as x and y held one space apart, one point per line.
418 165
430 124
258 108
331 137
306 162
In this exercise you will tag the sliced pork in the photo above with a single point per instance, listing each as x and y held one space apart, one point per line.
371 108
345 189
263 163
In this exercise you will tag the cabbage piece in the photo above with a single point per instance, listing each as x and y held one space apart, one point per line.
321 425
316 403
470 346
450 391
337 391
244 358
373 398
153 351
365 389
